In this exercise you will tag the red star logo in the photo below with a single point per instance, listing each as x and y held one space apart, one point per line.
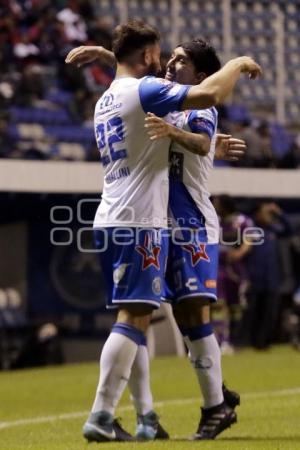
149 252
197 252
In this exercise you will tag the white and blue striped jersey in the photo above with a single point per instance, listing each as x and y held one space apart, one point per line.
189 198
136 184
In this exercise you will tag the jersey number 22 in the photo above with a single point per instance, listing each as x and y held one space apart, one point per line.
110 133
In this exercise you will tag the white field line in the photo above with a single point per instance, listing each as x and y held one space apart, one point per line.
184 401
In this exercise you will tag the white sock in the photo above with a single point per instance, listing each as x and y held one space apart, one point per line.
116 360
139 382
205 357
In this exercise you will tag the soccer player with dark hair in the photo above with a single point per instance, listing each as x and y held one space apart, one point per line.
193 254
131 223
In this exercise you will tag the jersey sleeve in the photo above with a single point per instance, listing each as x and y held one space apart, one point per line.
203 121
160 96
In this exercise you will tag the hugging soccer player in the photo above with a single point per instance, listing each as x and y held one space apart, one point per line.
193 250
134 205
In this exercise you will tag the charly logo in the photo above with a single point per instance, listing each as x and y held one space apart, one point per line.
119 273
106 101
203 363
157 286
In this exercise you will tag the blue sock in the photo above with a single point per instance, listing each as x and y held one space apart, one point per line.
129 331
198 332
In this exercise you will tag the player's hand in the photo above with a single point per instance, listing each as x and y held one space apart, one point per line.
229 148
248 65
157 128
82 55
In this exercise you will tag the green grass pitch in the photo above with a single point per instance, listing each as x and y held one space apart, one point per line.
44 409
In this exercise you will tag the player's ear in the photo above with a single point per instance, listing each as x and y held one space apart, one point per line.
201 76
147 56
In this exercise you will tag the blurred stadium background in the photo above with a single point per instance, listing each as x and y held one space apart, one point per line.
51 296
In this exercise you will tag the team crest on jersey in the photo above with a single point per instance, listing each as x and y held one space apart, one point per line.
197 252
150 253
157 286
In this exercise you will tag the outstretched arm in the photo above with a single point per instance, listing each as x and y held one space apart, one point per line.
217 87
227 147
86 54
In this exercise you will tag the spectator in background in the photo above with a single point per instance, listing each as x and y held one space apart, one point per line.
40 33
24 343
75 27
265 146
265 275
41 346
31 88
7 90
291 159
8 145
100 32
259 144
25 48
232 278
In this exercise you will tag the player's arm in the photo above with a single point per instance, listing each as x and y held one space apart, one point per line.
229 148
161 97
87 54
217 87
158 128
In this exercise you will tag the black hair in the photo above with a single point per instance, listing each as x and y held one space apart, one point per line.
132 36
202 55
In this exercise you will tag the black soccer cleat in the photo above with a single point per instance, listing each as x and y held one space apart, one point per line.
149 429
102 427
161 433
231 398
215 420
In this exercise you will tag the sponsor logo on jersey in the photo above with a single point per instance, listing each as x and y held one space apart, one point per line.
150 253
197 252
191 284
106 100
198 124
210 284
157 286
205 114
176 165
